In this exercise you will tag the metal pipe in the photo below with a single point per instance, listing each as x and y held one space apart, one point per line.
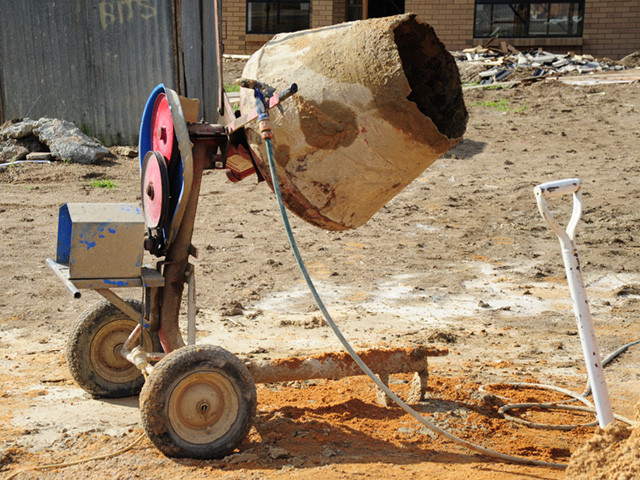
340 365
177 259
121 305
590 350
191 292
63 278
133 336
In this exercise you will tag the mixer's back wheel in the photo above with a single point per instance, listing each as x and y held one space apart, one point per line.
93 351
198 402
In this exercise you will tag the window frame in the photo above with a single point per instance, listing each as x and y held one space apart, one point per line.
278 24
579 29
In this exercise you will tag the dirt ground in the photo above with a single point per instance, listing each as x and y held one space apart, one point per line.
461 259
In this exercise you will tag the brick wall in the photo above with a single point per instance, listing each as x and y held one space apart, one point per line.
339 11
321 13
234 26
611 27
451 19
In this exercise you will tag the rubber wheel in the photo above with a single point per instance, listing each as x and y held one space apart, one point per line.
198 402
93 354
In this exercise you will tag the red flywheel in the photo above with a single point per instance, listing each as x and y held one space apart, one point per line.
162 137
155 190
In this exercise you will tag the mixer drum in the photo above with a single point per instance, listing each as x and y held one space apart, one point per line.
379 100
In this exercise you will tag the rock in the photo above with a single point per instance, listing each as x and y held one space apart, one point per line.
277 452
63 139
627 290
427 432
67 142
488 399
124 151
329 452
406 430
444 337
632 60
11 150
243 457
19 129
232 309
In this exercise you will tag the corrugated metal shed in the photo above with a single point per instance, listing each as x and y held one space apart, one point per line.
95 62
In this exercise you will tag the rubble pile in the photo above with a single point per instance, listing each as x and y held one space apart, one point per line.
48 138
490 65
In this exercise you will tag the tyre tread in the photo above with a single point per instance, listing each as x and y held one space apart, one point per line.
155 392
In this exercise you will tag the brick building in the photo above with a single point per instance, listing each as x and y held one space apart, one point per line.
603 28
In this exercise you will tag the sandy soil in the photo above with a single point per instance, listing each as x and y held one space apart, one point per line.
461 258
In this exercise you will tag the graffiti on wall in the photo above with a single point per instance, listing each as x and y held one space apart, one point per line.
119 12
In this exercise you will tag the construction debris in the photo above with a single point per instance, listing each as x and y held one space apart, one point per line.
627 76
487 66
632 60
61 139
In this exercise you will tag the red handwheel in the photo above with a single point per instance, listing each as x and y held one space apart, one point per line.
162 137
155 190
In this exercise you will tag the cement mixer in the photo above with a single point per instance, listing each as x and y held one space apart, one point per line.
379 101
351 136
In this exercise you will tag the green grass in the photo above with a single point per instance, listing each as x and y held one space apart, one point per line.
107 183
84 128
231 88
502 105
493 87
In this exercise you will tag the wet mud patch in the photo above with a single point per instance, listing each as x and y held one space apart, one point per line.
327 125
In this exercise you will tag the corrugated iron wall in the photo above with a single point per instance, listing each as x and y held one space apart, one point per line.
95 62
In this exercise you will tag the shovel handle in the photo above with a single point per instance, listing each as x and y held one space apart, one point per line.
557 189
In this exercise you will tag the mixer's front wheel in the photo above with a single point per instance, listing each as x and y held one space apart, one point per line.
198 402
93 351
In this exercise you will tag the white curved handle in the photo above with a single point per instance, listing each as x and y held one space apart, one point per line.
557 189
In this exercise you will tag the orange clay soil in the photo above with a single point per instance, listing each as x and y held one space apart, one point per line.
335 429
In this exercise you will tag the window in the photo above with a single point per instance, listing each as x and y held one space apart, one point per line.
354 10
275 16
501 18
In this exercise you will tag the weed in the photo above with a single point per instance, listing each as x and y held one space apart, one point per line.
502 105
107 183
86 129
493 87
231 88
